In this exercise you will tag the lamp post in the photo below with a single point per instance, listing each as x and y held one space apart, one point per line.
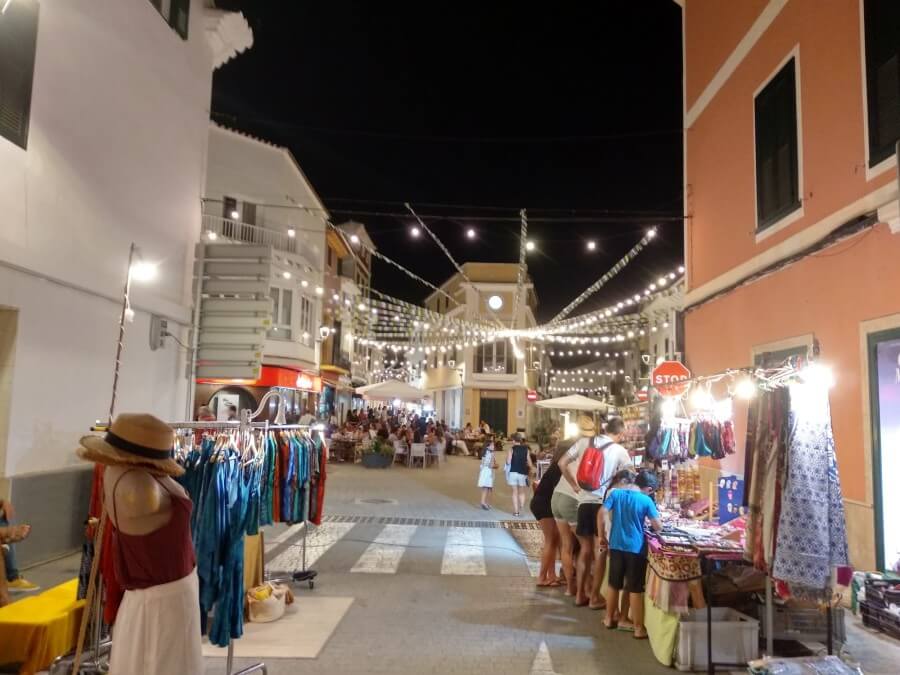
142 271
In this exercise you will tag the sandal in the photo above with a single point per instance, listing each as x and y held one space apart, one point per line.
612 625
640 636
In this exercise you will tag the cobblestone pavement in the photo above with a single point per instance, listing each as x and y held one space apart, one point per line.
437 598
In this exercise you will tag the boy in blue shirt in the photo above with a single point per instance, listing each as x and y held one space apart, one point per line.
628 510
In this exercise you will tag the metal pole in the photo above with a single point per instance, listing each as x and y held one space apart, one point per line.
195 337
770 619
119 345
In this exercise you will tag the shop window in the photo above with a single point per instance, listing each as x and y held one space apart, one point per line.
18 39
882 35
176 13
777 177
884 391
282 301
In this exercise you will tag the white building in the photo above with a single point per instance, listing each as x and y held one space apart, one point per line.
665 334
103 140
258 196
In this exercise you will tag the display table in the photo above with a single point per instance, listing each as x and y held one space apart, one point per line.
38 629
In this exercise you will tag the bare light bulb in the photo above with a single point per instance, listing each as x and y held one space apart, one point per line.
470 233
414 231
529 245
143 271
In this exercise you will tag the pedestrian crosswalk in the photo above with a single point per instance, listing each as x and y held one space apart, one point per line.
384 554
366 548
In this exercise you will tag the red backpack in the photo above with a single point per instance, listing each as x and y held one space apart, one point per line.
590 471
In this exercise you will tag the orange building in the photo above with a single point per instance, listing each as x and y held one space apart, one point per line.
792 115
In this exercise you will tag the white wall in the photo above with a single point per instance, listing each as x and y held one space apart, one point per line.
252 170
116 154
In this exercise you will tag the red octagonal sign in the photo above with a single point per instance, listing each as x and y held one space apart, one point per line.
669 378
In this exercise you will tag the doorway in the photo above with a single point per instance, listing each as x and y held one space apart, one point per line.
494 410
884 398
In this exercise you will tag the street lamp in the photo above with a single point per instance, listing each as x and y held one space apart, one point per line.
139 270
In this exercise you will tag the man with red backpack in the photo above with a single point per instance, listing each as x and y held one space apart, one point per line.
590 472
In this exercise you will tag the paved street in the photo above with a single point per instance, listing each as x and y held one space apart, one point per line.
430 597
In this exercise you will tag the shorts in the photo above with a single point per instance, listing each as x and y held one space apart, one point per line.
540 508
587 519
514 479
627 571
564 507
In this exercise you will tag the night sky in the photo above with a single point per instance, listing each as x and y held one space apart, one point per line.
471 112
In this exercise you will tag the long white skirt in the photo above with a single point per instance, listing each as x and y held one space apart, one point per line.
157 630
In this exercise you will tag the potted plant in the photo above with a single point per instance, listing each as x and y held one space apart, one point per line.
379 455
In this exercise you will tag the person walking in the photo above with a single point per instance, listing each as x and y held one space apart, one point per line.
543 513
628 509
486 476
518 460
564 502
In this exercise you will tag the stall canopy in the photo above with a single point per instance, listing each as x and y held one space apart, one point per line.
573 402
391 390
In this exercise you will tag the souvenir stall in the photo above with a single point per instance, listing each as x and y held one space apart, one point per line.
637 423
767 548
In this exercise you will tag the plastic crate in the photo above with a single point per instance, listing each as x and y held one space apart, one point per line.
804 624
735 638
880 619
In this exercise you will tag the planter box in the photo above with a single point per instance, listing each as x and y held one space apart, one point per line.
373 460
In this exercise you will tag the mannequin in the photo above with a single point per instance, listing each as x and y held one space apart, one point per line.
157 628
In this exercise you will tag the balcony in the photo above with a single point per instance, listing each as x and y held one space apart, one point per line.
228 230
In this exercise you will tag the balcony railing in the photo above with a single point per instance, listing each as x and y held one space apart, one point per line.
237 231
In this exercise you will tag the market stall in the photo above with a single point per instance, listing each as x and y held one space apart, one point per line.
769 546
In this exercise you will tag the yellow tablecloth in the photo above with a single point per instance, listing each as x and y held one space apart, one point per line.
662 630
36 630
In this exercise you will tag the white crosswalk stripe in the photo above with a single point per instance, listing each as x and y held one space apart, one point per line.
464 552
318 542
384 554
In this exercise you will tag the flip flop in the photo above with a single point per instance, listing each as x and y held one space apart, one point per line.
581 604
597 608
611 626
640 636
627 628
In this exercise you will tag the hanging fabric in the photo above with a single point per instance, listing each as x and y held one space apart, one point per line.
812 537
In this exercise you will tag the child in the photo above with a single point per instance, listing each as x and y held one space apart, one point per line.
628 550
486 474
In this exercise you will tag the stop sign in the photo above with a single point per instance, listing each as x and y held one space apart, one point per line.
668 378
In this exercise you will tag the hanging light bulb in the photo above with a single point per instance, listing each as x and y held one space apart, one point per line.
745 389
414 231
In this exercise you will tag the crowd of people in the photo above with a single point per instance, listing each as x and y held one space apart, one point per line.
590 529
397 427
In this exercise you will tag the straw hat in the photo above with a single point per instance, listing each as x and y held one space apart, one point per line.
134 439
585 426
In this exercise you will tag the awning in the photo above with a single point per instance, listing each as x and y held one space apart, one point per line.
390 390
573 402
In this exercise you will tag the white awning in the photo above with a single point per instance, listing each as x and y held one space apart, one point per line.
390 390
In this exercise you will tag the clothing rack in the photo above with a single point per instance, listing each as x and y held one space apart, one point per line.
244 425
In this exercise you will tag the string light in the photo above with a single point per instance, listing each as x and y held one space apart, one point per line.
592 245
470 233
529 245
414 231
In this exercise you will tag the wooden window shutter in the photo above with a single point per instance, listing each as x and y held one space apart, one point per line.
18 40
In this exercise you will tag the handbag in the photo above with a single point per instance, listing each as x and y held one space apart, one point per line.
590 470
267 603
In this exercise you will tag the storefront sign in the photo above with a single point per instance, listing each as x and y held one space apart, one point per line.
531 395
274 376
669 378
